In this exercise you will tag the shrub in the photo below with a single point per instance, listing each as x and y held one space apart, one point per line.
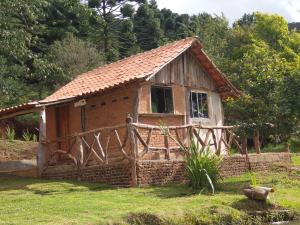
27 136
10 133
202 167
34 138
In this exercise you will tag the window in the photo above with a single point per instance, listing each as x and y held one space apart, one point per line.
198 105
161 100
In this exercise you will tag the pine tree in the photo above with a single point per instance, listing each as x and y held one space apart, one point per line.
147 28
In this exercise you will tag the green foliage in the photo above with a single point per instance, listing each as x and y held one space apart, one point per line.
27 136
74 56
253 179
147 27
262 62
34 138
202 168
10 133
27 30
202 164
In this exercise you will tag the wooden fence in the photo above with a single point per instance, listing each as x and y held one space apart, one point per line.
132 141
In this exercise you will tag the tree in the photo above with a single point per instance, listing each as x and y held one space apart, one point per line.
127 40
74 56
109 15
147 27
262 57
27 29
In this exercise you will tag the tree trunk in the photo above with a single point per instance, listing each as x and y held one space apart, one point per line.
256 142
244 145
287 146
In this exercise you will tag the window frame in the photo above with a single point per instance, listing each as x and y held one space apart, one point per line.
172 94
208 105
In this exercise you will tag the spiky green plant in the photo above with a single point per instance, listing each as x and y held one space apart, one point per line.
253 178
10 133
27 136
34 138
202 164
202 168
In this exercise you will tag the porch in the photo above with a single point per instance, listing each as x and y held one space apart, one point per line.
134 154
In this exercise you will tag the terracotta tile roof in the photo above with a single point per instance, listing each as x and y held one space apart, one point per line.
139 66
18 110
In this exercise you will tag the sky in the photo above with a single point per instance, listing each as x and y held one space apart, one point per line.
234 9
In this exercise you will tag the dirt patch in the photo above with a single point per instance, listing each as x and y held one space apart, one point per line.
17 150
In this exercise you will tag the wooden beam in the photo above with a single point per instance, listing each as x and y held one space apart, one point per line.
20 113
41 158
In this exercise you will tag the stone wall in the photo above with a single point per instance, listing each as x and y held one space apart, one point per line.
174 171
161 172
157 172
117 174
236 165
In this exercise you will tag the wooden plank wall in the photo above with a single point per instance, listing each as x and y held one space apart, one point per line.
185 70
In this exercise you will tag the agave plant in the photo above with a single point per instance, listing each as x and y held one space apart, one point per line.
202 167
27 136
10 133
202 164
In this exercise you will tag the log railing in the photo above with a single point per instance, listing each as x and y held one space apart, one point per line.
217 138
131 142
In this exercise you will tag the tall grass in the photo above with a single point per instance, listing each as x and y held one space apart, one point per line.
10 133
27 136
202 165
202 168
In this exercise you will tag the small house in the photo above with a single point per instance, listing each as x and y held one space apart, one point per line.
104 125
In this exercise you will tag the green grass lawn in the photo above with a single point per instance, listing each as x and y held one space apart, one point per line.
296 160
34 201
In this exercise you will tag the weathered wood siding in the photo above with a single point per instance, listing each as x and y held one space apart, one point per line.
185 70
184 74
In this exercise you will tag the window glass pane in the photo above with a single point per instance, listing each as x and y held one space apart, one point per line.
161 100
204 105
168 100
198 105
194 105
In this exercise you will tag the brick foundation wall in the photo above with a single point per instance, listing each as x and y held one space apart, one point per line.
156 172
163 172
236 165
117 174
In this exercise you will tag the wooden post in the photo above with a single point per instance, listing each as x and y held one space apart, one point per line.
80 150
133 148
256 142
41 160
166 140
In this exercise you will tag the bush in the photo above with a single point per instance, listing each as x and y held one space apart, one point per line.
34 138
202 168
202 165
10 133
27 136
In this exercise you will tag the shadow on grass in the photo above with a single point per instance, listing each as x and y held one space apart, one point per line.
251 205
47 187
232 186
171 191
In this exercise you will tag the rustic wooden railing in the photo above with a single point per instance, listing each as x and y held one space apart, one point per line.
131 142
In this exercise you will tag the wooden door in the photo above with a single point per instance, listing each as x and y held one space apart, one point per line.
62 127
